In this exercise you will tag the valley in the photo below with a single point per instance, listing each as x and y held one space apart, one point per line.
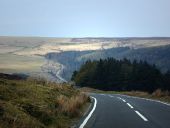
56 58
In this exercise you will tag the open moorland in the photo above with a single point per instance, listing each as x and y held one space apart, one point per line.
57 58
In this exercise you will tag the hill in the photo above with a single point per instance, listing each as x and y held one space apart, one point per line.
37 103
160 55
72 60
30 55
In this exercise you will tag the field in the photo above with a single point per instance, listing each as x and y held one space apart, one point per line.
10 63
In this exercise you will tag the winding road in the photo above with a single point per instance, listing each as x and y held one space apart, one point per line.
120 111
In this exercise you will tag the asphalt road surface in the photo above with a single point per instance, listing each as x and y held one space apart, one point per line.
119 111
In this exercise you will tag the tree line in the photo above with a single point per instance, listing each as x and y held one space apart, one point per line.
121 75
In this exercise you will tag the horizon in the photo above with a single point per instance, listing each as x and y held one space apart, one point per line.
86 37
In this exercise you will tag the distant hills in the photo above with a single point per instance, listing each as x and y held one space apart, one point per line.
160 56
57 58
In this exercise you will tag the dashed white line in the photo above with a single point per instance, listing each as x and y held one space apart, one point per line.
119 98
139 114
111 96
90 114
123 100
129 105
146 99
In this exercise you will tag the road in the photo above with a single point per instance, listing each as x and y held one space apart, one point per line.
54 71
120 111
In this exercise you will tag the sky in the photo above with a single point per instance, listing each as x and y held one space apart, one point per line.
85 18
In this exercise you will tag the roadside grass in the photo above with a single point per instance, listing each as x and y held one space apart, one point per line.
35 103
162 95
71 106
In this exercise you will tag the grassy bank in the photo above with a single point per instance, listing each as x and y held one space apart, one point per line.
157 94
35 103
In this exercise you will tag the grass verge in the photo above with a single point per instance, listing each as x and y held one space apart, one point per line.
39 104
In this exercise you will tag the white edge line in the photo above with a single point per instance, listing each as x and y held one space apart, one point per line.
90 114
129 105
141 116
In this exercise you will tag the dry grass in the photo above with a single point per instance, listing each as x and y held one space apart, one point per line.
88 89
71 107
38 103
160 93
137 93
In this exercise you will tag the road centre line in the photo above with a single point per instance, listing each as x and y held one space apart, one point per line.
139 114
129 105
158 101
123 100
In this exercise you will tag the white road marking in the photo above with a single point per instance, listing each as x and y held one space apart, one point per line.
90 114
111 96
141 116
123 100
102 94
129 105
158 101
119 98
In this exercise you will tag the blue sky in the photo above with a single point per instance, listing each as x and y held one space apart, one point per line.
85 18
